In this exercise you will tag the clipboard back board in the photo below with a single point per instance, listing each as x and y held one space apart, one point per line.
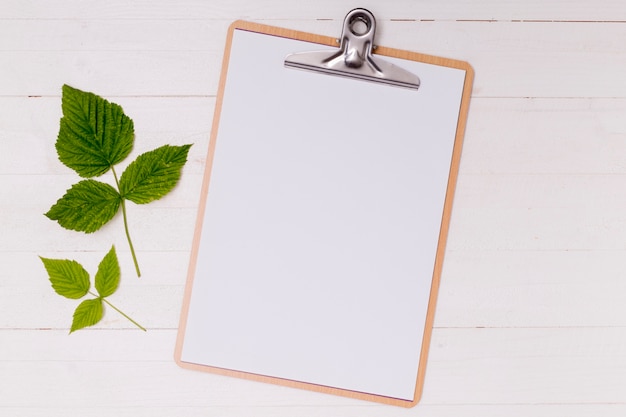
289 318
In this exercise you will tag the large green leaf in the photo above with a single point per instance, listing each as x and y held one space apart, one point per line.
68 278
88 313
153 174
108 275
94 135
86 207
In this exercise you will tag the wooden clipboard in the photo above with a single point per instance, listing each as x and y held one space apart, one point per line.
316 261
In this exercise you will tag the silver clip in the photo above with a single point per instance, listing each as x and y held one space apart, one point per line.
354 58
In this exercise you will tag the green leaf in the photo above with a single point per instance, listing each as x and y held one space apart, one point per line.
108 275
153 174
86 207
68 278
94 134
88 313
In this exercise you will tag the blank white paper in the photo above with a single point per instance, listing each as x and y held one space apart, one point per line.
322 222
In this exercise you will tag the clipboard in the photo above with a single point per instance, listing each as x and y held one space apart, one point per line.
324 212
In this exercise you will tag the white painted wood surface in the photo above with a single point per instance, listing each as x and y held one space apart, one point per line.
531 318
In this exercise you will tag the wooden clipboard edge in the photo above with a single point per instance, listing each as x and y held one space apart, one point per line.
447 213
445 223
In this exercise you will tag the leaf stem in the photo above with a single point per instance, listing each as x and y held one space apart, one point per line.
130 242
120 311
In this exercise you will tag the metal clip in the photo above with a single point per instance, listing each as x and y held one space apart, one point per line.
354 58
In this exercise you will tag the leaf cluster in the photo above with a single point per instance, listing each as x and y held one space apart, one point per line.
94 136
71 280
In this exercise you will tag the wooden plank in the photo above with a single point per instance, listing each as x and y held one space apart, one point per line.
19 189
490 214
568 191
527 366
545 136
448 344
602 10
38 307
552 367
70 34
538 212
145 73
504 136
532 289
478 288
32 156
547 229
132 384
511 59
152 228
160 268
151 115
87 345
545 133
518 410
30 127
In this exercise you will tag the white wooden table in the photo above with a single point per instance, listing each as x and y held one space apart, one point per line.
531 318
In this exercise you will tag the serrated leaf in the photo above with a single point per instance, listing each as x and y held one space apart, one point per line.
86 207
68 278
153 174
88 313
94 135
108 275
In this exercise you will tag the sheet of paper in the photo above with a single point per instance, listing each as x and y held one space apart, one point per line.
322 222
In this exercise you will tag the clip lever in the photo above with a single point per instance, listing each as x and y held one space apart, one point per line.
354 58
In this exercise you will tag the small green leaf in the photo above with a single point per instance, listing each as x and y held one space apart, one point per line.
86 207
68 278
94 134
153 174
88 313
108 275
